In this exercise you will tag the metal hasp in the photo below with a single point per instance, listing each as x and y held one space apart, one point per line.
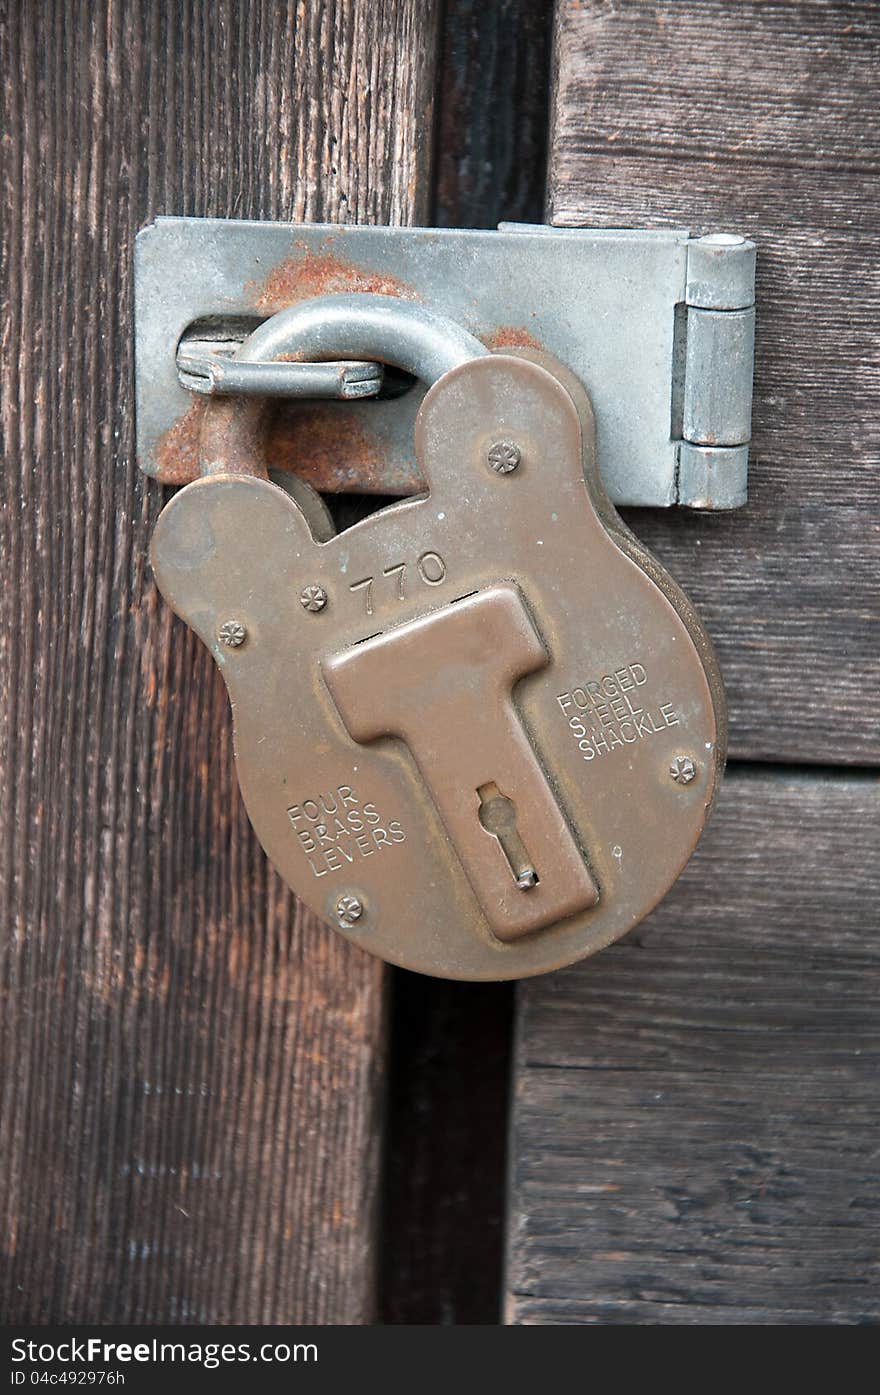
657 325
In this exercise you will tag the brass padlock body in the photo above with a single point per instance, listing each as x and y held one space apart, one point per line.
492 749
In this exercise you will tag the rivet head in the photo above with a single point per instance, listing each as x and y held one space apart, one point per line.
682 770
232 633
313 598
504 457
349 909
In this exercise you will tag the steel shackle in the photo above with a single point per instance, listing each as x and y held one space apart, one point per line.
356 326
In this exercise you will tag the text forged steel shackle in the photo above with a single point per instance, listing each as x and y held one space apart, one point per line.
480 731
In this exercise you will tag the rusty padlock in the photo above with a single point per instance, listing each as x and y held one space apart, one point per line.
480 731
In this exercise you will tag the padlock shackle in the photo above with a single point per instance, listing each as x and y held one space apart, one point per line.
364 326
355 326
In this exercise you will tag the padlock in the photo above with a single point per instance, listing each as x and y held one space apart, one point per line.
480 731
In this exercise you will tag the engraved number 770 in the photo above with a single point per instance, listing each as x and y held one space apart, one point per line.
431 569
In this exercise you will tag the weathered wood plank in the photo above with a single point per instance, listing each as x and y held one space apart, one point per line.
696 1127
191 1068
760 117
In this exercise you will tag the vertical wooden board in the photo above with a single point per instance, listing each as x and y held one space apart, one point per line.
191 1067
696 1131
761 118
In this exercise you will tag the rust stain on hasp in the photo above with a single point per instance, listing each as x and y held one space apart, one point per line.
331 451
309 274
511 337
324 447
177 451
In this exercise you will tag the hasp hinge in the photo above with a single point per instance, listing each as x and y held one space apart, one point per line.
714 386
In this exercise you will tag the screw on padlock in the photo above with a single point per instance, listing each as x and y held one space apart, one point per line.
480 731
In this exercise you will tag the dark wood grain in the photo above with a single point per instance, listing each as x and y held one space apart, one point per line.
760 117
696 1133
494 96
191 1067
443 1213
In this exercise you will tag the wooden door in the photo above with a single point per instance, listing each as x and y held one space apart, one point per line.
696 1126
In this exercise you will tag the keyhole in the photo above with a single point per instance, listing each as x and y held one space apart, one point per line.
498 816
